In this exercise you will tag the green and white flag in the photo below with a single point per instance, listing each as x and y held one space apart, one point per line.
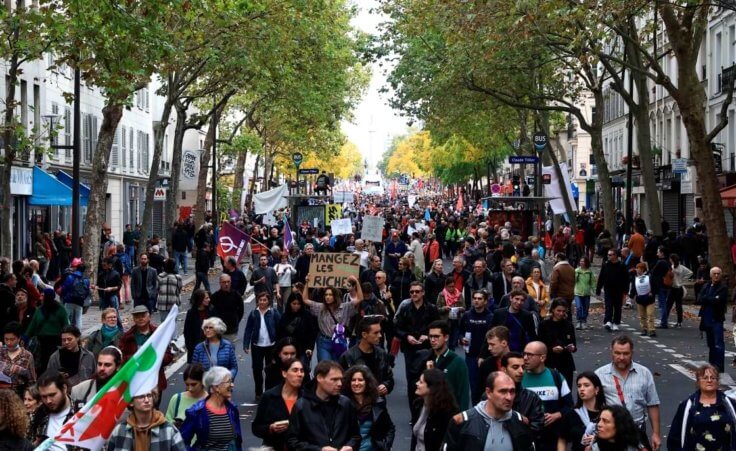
92 426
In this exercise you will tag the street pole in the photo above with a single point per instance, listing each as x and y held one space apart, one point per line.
76 156
214 167
630 160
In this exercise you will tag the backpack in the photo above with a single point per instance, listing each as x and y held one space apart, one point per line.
79 291
668 278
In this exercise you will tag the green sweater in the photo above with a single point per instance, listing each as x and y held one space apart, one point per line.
456 372
584 282
43 326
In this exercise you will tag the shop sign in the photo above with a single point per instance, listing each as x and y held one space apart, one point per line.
21 181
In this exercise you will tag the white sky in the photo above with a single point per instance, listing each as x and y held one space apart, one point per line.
375 123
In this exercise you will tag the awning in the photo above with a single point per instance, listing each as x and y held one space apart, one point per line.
48 191
728 196
68 180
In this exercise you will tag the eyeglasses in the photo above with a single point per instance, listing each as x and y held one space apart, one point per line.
414 291
146 396
208 327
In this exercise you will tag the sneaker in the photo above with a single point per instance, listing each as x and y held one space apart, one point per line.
608 326
652 334
579 326
678 325
662 326
614 327
644 333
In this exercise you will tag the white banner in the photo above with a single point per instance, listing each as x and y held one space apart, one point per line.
412 199
189 170
554 190
341 197
372 229
341 226
271 200
21 181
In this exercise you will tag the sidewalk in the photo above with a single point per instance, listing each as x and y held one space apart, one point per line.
91 320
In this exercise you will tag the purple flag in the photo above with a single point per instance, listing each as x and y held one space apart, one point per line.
232 242
288 239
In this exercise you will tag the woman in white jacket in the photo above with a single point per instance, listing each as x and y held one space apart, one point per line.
285 272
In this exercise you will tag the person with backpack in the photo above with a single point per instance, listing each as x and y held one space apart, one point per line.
661 277
74 292
552 389
122 263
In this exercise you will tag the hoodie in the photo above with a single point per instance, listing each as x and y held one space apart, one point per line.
142 435
498 438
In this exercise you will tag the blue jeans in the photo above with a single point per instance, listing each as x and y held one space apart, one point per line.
75 314
324 349
180 258
112 301
130 250
202 280
662 302
582 305
716 345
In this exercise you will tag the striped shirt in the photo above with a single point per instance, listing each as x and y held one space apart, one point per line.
221 431
637 389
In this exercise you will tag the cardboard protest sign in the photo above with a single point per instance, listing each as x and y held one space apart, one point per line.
332 269
372 228
341 226
332 212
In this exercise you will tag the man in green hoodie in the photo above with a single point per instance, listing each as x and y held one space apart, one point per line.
450 363
492 424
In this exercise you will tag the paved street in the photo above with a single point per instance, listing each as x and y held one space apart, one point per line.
670 356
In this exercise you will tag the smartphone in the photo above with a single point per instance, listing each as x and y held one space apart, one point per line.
282 422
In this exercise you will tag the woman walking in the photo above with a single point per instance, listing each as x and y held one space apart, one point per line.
584 287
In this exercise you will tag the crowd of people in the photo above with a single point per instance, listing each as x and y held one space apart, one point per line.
514 304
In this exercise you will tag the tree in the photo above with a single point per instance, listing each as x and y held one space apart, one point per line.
25 34
117 48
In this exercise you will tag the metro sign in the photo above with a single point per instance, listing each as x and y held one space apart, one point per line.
160 193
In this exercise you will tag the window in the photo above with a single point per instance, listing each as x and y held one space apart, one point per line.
115 151
123 143
86 137
68 134
54 135
131 145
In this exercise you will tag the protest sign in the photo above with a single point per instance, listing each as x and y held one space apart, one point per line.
332 212
372 229
330 269
341 226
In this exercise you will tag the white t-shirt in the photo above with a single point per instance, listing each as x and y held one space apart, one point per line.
56 421
263 338
642 284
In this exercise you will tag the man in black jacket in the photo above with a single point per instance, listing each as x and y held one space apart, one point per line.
181 247
502 280
614 279
471 430
368 352
228 304
526 402
519 322
202 267
713 300
434 283
323 418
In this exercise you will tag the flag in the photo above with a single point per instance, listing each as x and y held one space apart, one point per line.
231 242
459 205
93 424
288 238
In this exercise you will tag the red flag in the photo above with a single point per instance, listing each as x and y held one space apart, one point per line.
459 205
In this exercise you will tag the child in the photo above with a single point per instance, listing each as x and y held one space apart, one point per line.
644 300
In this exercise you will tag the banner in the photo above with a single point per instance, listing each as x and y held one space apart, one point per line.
331 269
311 214
411 199
93 424
341 226
189 170
332 212
341 197
271 200
288 237
554 191
232 242
372 229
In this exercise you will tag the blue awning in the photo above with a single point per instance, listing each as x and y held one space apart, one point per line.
68 180
48 190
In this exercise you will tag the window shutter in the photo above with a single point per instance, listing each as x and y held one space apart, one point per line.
123 141
115 153
131 145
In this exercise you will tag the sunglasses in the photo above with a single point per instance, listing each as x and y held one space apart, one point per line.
414 291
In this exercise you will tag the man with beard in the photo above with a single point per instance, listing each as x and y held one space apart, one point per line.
369 275
55 410
108 363
264 278
144 284
228 304
527 402
238 282
302 263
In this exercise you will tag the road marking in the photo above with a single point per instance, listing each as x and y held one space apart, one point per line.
678 356
660 345
681 369
669 350
250 298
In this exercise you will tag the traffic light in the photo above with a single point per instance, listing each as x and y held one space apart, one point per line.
516 182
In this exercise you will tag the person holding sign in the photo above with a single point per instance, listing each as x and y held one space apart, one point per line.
332 316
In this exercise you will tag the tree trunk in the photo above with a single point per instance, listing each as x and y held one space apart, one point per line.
159 130
179 131
10 151
604 176
267 165
204 168
238 188
111 115
252 189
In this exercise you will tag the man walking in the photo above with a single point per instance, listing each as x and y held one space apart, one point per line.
520 323
614 279
562 280
144 284
713 299
442 358
145 428
109 361
473 327
229 305
108 285
55 410
551 388
323 418
628 384
264 278
368 352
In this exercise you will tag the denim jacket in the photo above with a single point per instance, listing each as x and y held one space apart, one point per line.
253 326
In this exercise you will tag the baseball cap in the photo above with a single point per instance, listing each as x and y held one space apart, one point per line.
139 309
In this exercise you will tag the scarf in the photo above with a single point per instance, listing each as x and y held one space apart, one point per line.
108 333
451 299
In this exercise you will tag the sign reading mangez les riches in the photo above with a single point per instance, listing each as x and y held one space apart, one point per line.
331 269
